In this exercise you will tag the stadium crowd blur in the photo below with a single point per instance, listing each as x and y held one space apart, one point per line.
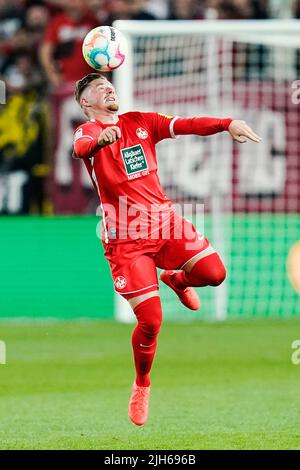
40 43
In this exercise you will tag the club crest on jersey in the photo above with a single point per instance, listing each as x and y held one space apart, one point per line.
142 133
120 282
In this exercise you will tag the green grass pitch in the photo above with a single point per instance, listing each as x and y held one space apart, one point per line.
66 385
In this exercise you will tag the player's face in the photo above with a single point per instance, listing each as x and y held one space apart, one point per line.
101 95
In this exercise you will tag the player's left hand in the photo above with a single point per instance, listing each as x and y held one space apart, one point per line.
240 132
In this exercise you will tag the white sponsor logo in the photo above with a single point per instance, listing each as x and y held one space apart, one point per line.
142 133
120 282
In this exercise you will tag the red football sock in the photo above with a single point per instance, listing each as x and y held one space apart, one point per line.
208 271
144 337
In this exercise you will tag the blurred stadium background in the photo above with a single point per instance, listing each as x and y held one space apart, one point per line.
52 267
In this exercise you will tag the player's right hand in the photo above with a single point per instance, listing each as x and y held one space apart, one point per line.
109 136
240 132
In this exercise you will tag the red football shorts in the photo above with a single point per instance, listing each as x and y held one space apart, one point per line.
133 263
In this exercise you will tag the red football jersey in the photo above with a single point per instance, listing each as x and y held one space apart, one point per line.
125 173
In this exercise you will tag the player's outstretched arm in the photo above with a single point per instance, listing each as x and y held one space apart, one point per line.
204 126
240 131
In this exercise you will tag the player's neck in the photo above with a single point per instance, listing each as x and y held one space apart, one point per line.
106 117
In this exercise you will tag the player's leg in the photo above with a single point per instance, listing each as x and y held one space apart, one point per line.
199 265
147 309
204 269
135 278
148 312
200 271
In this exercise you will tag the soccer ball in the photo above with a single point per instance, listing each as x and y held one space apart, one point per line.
104 48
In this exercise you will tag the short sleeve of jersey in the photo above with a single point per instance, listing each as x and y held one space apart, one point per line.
89 130
160 126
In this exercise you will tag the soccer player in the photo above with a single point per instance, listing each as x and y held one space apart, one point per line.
140 225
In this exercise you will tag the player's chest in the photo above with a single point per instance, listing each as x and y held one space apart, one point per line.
131 157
